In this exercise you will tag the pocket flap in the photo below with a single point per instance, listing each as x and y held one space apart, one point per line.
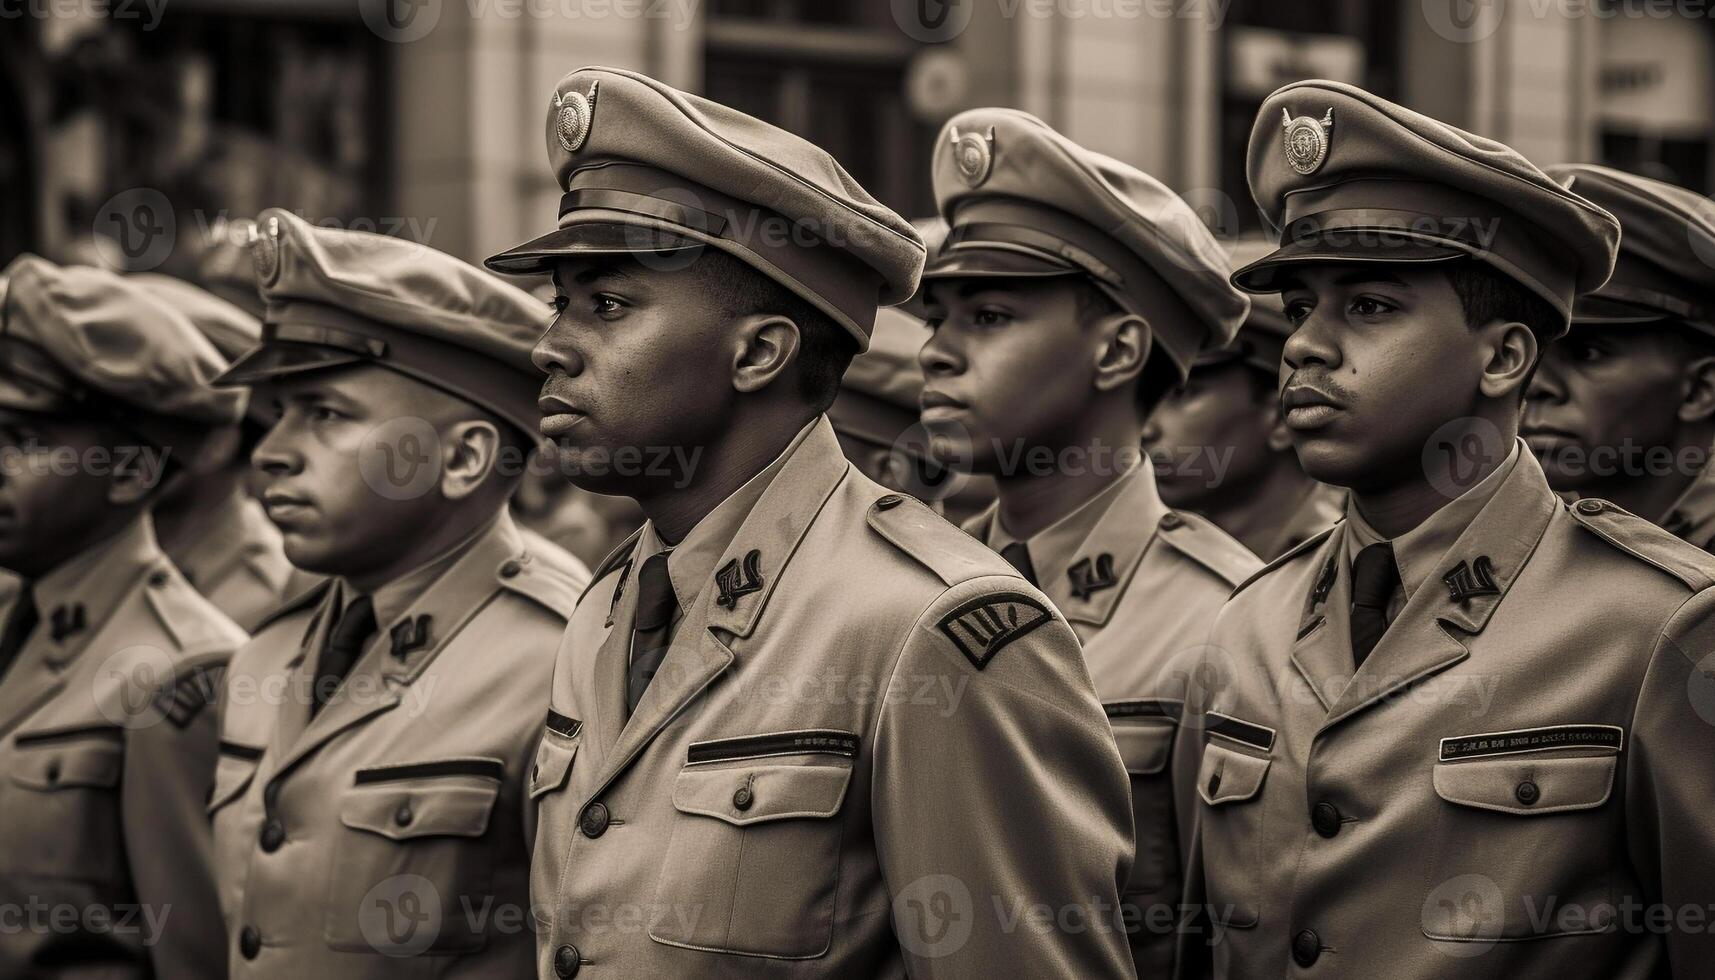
554 757
1528 786
1144 746
92 759
1228 775
747 794
421 806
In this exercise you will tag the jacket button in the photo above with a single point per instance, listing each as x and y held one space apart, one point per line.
53 772
742 799
1214 782
594 823
403 816
567 960
273 835
1306 948
249 942
1326 819
1589 505
158 579
1527 793
1170 520
888 502
510 568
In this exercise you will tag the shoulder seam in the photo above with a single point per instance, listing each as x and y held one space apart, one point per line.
1308 544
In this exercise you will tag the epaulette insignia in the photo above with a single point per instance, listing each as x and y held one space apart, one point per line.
985 625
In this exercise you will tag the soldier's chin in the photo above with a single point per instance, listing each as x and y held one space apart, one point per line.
1336 462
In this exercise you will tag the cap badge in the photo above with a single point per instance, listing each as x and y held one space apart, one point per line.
265 248
1307 140
572 124
973 153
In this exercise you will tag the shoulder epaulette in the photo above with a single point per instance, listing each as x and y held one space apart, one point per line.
953 555
1646 542
1202 541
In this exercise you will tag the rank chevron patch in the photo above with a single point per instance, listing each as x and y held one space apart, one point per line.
984 626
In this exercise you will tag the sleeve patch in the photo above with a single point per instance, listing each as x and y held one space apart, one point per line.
985 625
195 691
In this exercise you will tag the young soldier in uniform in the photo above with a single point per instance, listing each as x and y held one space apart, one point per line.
1072 292
109 660
1623 408
1223 450
208 523
1461 733
378 732
753 764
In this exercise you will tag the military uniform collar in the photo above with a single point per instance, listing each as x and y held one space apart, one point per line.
1418 551
1084 559
78 596
693 561
1692 516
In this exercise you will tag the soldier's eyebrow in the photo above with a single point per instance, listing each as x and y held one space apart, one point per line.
1360 277
604 271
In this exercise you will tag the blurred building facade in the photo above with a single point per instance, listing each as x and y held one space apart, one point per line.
426 117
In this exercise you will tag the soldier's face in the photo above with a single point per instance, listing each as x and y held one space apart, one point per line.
350 468
1599 390
1212 435
1008 366
639 373
50 494
1379 359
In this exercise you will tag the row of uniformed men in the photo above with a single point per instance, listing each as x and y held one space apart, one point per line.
798 725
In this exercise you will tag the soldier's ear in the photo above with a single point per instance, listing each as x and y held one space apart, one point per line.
764 345
1509 351
469 450
1124 341
1698 405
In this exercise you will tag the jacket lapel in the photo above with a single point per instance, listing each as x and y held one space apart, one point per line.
1322 651
613 659
396 657
1087 587
705 641
1434 629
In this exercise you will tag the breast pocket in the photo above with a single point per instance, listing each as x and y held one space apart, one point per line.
1145 744
1230 782
555 754
413 858
753 864
232 774
1524 847
60 810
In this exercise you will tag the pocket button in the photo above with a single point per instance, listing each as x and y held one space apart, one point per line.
1306 948
742 799
594 821
403 816
273 835
1214 782
1326 819
1527 793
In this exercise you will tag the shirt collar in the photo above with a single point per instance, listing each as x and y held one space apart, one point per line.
691 563
1418 552
1057 546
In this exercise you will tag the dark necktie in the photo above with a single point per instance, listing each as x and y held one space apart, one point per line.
1375 576
656 606
345 644
19 625
1017 554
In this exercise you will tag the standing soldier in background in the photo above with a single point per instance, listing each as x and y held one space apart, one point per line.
875 414
378 732
207 521
1462 734
1623 407
1072 292
1221 449
109 660
746 754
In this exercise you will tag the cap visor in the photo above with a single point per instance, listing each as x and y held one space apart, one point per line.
1598 309
1267 273
972 261
276 360
535 258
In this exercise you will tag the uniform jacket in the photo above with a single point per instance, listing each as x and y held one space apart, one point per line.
870 746
236 560
392 824
1315 513
1517 773
107 749
1140 585
1692 516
